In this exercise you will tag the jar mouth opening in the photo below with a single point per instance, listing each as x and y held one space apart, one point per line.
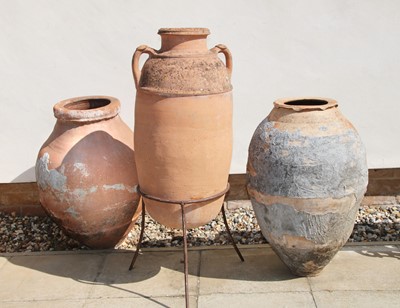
306 103
184 31
87 104
87 108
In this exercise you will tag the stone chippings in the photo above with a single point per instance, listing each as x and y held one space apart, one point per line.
25 234
32 233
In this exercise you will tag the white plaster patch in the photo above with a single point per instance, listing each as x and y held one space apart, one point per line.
121 187
72 212
45 177
114 187
79 193
78 114
82 168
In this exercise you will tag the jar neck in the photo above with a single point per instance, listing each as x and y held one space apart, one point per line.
193 40
87 108
299 104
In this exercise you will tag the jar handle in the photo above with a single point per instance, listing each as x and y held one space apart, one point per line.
228 56
135 61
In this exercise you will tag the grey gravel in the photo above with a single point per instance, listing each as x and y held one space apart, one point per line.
25 234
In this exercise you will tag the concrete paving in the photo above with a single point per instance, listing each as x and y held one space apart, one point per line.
359 275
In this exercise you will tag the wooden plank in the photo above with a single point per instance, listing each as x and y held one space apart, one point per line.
23 198
383 187
388 173
238 189
19 194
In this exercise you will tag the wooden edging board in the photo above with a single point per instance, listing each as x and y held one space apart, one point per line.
23 198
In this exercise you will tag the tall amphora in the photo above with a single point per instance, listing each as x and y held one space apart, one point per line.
183 125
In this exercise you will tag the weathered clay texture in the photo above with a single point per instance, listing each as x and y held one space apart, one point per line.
184 66
183 125
86 171
307 176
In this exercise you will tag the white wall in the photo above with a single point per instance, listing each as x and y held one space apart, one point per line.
346 50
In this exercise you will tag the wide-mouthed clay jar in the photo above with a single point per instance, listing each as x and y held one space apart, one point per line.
307 175
86 171
183 125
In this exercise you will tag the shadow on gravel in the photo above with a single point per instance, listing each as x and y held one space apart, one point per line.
220 239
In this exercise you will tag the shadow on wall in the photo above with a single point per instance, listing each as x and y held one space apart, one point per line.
26 176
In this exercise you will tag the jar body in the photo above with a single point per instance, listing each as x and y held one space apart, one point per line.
86 172
183 129
307 176
184 147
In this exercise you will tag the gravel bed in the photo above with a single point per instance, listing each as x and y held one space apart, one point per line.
25 234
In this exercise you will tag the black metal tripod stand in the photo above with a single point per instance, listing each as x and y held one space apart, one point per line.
185 248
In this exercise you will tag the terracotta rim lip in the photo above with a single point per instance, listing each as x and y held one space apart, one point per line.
326 103
106 111
184 31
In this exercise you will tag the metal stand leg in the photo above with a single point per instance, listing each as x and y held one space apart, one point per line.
185 248
185 255
141 235
230 234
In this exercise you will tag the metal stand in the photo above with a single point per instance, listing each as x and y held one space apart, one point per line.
185 248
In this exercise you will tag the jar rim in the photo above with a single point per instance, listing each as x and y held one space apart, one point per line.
184 31
306 103
87 108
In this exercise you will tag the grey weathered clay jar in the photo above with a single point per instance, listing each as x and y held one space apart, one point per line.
307 175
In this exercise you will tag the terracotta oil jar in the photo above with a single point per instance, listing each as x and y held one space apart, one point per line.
183 125
307 175
86 171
